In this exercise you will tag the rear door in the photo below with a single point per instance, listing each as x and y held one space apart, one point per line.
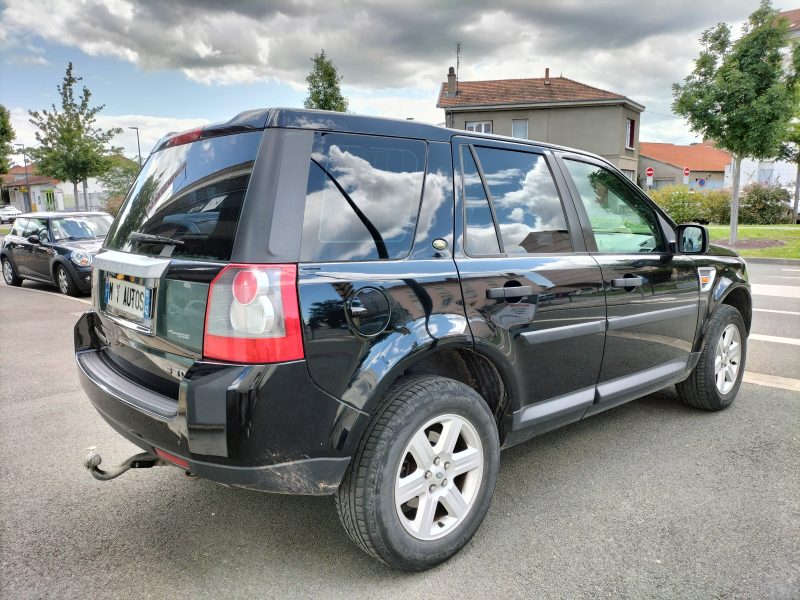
652 293
532 293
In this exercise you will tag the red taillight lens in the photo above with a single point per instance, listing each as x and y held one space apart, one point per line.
175 460
183 138
253 316
245 287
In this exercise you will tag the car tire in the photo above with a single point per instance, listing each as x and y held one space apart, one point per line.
716 379
452 483
10 274
64 281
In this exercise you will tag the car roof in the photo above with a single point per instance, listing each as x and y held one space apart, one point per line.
324 120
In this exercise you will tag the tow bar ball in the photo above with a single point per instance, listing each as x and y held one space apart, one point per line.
144 460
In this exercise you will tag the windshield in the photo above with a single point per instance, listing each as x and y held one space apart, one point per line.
80 227
187 200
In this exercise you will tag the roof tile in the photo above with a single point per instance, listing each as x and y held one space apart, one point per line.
698 157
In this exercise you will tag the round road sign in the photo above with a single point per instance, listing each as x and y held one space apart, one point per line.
685 171
650 172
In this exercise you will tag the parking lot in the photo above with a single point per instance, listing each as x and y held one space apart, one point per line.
650 500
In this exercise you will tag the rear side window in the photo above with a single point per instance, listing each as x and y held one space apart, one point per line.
362 198
524 201
187 200
19 227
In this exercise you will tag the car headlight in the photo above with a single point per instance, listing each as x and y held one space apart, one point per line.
81 258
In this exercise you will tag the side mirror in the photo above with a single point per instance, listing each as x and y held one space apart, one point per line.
692 239
34 239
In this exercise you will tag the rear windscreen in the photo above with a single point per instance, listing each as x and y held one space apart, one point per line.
187 200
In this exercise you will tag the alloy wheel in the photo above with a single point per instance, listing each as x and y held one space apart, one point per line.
439 477
63 284
8 274
727 358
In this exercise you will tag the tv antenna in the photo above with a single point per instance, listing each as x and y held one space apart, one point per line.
458 62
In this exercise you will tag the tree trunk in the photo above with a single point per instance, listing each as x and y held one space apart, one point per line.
86 196
75 194
737 169
796 194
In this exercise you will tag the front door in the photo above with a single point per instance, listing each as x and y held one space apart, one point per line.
533 296
652 293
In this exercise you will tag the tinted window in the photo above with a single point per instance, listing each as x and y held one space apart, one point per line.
36 227
190 193
80 227
525 201
481 235
362 198
622 222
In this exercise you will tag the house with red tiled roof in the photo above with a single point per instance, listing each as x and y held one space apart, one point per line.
46 193
556 110
709 167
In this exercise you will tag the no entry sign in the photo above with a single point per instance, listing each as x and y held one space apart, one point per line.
685 171
650 172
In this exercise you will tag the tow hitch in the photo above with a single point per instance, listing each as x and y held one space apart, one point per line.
144 460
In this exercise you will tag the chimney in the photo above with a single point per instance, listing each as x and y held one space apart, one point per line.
547 76
451 82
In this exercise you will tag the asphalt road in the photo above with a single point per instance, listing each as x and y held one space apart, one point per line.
649 500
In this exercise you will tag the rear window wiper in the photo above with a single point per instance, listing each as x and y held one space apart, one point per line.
158 239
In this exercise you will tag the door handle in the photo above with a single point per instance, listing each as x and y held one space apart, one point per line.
518 291
627 282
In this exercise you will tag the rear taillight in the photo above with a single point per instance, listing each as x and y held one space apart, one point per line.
252 315
185 137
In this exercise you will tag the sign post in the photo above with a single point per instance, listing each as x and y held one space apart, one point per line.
649 172
686 176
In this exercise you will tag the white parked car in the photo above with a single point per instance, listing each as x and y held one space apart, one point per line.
8 213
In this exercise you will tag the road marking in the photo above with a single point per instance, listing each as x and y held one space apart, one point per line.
775 338
784 383
784 276
793 270
51 294
782 291
780 312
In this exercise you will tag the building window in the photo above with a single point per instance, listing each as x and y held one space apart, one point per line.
630 133
519 128
629 174
479 126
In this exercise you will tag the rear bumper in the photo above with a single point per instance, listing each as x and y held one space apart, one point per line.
263 427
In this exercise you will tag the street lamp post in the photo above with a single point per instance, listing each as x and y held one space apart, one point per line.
27 181
138 145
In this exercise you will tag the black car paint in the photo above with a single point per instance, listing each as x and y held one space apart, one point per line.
39 259
292 427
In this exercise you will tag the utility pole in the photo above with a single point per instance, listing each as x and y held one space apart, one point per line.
138 145
27 196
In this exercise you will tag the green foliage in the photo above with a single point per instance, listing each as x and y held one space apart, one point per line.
117 181
6 137
71 147
739 93
764 204
324 92
684 206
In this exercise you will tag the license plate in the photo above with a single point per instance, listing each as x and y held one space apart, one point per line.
131 298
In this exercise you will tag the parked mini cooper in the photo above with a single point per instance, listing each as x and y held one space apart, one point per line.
54 248
320 303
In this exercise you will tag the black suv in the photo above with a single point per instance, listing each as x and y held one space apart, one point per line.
319 303
54 248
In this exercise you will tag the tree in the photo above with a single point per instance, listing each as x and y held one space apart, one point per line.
790 152
117 181
6 137
741 94
323 85
71 147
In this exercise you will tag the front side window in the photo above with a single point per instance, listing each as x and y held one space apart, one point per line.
36 227
479 126
362 198
622 222
526 204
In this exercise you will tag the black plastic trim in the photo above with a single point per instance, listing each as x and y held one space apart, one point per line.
652 316
562 333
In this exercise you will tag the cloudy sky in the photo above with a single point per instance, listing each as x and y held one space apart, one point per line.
171 64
